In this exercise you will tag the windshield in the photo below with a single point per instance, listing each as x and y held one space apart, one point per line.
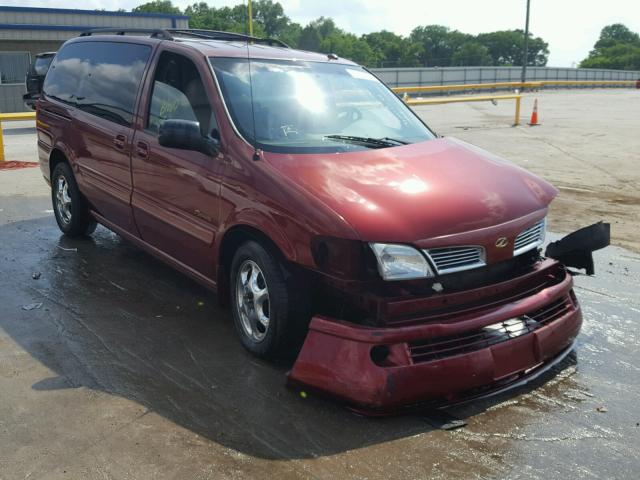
312 107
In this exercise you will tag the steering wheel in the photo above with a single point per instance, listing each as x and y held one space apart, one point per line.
348 115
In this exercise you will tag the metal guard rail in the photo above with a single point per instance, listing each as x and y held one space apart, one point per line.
516 85
483 98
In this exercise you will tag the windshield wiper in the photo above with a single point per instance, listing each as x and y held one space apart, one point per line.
398 142
368 142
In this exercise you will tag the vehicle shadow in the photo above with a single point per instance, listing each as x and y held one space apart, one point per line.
115 319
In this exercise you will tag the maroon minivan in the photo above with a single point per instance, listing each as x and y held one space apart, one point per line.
401 267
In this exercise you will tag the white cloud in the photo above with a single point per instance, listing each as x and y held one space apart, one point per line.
570 26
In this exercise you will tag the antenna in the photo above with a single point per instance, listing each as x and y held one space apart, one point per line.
256 151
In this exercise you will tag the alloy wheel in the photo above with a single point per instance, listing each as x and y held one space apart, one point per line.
63 200
252 297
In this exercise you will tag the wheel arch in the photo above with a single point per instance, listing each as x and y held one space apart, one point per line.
231 240
56 157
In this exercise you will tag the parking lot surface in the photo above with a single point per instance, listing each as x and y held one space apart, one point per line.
112 365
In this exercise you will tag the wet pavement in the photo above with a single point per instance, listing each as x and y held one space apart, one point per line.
112 365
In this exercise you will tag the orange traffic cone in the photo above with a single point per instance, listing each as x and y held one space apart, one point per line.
534 115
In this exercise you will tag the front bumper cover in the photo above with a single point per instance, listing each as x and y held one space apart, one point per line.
377 370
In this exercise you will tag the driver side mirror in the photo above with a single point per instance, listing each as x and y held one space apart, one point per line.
186 135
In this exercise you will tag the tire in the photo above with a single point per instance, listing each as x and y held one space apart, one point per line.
69 206
285 310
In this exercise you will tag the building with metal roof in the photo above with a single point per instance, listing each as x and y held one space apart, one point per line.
26 31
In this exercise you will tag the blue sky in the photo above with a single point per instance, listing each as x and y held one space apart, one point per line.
570 26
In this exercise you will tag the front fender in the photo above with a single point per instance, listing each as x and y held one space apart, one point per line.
265 224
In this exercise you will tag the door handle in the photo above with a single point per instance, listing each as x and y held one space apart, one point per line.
119 142
142 150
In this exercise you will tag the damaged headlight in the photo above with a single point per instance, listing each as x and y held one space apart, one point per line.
400 262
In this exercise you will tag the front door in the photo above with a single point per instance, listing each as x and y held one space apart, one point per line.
176 192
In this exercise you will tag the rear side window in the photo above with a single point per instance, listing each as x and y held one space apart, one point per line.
101 78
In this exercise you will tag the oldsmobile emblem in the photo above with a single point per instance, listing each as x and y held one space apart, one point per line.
502 242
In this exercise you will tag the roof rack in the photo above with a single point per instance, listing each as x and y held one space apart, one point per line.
229 36
154 32
170 33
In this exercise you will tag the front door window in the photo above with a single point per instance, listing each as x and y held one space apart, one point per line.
178 93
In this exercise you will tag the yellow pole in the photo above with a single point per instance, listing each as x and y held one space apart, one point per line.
517 121
1 144
250 18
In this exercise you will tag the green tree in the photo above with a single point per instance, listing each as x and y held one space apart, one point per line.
271 16
438 44
623 56
230 19
391 50
471 54
326 26
387 47
322 35
200 15
617 48
157 6
506 47
315 32
430 45
349 46
291 34
310 38
616 33
272 20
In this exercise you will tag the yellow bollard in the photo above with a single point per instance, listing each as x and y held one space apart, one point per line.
12 117
517 119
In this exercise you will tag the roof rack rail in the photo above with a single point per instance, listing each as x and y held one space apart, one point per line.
229 36
154 32
170 33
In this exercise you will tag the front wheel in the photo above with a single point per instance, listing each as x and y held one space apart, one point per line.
69 206
268 312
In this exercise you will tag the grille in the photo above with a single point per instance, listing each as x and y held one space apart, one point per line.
443 347
456 259
530 238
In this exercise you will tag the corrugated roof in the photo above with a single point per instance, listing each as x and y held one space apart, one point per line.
90 12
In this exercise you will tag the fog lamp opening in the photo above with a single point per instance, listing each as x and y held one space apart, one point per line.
380 355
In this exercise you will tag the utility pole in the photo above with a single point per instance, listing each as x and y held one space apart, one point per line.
525 56
251 18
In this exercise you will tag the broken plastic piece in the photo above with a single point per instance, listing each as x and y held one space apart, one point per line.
575 250
32 306
443 420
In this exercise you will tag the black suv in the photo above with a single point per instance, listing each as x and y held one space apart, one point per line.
35 78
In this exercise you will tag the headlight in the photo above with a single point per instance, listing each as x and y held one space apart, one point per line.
400 262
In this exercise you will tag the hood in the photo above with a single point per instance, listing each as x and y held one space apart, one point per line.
419 191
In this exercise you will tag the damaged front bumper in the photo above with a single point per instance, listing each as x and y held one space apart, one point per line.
446 358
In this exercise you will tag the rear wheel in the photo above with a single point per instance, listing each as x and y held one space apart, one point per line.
268 312
69 206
